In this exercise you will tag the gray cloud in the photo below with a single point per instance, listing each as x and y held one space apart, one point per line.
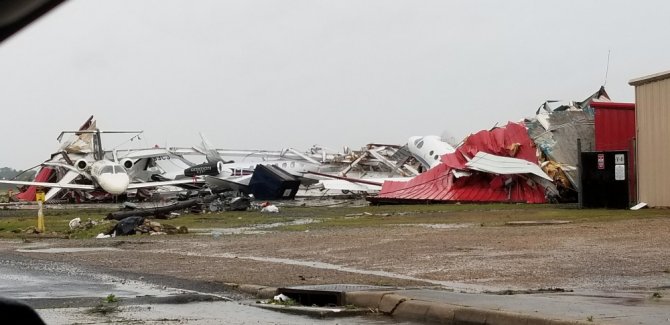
273 74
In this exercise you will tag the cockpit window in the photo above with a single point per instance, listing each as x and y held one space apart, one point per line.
420 144
107 170
118 169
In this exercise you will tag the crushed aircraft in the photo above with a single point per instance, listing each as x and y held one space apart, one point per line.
490 166
82 165
532 161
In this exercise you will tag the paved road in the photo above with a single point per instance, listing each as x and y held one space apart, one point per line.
66 294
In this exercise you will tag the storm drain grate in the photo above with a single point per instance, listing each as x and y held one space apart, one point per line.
326 294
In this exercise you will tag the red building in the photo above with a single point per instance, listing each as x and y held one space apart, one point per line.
615 130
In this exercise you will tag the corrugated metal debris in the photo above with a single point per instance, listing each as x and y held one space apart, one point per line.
555 131
462 176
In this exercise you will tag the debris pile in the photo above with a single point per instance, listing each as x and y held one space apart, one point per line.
140 225
76 224
490 166
556 129
533 161
225 203
267 207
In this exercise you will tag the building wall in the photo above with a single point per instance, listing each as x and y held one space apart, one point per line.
652 101
615 130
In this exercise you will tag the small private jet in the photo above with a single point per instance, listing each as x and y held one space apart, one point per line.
92 170
106 175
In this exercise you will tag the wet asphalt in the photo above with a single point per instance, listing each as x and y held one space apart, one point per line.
65 293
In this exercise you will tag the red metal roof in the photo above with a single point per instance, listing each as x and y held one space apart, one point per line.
439 184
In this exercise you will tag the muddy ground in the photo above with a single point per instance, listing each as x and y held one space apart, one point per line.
612 255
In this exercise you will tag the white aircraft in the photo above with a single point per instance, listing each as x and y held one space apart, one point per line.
107 175
428 149
318 171
221 173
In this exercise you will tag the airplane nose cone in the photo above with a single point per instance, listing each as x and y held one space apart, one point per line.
114 184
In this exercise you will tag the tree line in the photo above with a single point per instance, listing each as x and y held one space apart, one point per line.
10 173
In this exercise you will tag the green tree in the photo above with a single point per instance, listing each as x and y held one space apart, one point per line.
10 173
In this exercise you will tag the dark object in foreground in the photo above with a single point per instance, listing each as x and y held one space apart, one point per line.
15 312
127 226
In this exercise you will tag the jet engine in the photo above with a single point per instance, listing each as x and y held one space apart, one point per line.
211 169
127 163
81 164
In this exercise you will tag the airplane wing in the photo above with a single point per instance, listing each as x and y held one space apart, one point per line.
66 179
143 153
50 185
239 183
163 183
344 185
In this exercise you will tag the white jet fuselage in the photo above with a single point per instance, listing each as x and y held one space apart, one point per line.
429 149
110 176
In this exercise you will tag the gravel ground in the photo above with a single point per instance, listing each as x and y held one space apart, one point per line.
602 256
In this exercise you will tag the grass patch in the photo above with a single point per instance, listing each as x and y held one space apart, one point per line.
13 221
111 298
108 305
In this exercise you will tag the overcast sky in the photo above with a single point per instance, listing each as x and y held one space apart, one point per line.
277 74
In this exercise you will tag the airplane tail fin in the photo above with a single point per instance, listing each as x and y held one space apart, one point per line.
210 152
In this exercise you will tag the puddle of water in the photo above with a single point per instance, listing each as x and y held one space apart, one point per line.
54 250
537 222
251 230
439 225
43 279
201 313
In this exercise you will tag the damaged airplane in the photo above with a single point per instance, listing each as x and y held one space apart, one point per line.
90 169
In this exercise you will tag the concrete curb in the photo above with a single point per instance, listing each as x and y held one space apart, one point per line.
392 303
261 292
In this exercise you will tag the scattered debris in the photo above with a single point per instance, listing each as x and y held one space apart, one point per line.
240 203
267 207
281 298
30 230
533 161
459 178
74 223
159 212
558 125
140 225
127 226
639 206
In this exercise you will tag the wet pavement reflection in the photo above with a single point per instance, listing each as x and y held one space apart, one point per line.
66 294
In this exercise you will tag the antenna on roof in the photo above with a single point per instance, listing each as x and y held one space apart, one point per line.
607 69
